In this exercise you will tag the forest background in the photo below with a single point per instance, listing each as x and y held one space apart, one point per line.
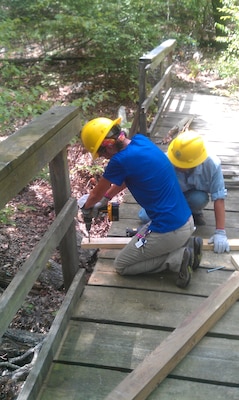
86 53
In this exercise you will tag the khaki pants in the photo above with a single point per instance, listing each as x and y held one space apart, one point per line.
162 251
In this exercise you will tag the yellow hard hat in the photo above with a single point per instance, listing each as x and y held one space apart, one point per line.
187 150
95 131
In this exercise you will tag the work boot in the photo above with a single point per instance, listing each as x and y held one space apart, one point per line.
199 220
185 272
195 243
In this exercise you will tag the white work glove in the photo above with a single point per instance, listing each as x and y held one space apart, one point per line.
220 241
82 200
94 211
102 204
87 212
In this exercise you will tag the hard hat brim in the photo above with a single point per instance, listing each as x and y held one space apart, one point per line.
95 154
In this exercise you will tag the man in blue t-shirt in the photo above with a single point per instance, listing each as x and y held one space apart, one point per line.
139 165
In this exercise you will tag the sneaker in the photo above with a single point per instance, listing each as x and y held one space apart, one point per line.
199 220
185 272
195 244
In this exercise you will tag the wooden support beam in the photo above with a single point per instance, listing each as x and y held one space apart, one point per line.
105 243
35 379
235 261
120 242
182 126
158 364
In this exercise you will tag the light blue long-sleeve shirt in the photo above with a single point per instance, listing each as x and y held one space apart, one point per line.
207 177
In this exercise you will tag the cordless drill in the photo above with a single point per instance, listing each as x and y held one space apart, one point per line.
111 209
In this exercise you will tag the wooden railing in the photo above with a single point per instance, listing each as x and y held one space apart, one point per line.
155 73
22 156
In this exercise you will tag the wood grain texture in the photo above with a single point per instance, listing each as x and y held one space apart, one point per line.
158 364
120 242
25 153
50 346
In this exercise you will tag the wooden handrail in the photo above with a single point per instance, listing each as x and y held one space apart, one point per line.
160 60
16 292
23 155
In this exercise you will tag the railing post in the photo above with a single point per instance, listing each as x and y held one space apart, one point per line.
170 61
61 193
142 96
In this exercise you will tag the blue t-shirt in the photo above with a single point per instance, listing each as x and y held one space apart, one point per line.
152 180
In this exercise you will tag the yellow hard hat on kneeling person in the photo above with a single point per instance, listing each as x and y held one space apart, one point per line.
95 131
187 150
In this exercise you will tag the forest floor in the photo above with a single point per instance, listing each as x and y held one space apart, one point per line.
29 215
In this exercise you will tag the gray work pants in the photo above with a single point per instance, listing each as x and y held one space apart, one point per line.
162 251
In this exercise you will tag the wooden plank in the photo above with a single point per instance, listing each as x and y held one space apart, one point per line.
118 229
119 243
148 308
235 261
201 284
154 369
73 382
180 127
105 243
61 188
15 293
25 153
18 147
124 347
40 369
209 260
185 390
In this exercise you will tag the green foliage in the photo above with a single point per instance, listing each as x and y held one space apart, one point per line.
6 215
19 98
194 67
27 308
228 62
113 34
92 170
25 208
107 38
44 174
91 101
19 104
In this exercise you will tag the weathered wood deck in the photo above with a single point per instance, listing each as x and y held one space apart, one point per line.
118 320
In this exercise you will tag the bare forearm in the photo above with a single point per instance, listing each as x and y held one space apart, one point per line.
219 210
114 190
98 192
104 187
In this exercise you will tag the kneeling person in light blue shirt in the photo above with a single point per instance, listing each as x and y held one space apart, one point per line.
200 178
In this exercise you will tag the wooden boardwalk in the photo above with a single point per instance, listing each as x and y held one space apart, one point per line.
118 321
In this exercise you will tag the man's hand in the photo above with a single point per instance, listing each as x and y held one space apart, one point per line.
99 205
82 200
93 211
86 212
220 241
